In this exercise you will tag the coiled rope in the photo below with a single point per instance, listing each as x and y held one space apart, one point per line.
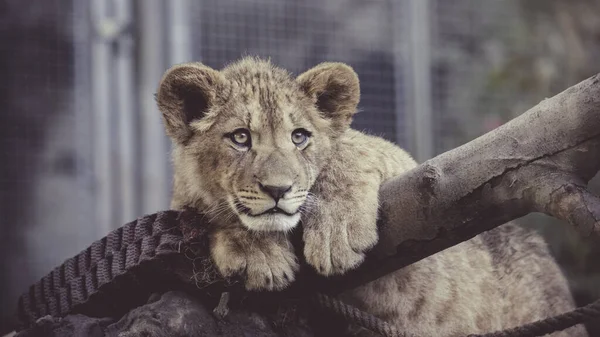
81 277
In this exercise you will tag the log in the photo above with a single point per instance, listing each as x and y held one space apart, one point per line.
540 161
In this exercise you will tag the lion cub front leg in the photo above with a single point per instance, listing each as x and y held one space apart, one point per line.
267 260
342 225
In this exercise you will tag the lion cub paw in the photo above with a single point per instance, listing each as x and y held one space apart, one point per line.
336 244
266 260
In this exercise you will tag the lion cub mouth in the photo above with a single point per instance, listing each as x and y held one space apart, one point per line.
274 210
272 219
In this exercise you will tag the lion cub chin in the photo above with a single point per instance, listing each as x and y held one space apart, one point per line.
270 222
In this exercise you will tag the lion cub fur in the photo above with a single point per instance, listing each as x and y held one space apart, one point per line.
329 183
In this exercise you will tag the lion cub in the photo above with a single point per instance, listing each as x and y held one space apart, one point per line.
259 151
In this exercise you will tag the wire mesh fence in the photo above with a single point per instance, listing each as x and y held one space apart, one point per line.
81 143
298 35
44 203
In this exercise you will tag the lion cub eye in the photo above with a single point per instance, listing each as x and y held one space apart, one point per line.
241 137
300 137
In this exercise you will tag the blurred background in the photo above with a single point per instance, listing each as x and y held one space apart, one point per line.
82 149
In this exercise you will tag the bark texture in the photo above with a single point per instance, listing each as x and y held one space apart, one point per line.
540 161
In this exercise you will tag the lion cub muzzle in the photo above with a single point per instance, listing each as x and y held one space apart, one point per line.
275 191
270 205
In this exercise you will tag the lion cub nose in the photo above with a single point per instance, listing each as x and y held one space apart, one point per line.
276 192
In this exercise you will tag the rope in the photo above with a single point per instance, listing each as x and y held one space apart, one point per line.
539 328
354 315
84 275
551 324
157 236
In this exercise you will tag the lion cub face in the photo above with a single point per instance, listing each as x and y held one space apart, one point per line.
250 140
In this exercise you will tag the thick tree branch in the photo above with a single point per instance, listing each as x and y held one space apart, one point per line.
538 162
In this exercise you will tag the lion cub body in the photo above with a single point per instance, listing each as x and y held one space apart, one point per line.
259 152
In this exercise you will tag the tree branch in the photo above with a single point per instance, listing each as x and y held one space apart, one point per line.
540 161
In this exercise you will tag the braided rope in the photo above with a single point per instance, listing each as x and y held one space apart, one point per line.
551 324
354 315
85 274
160 235
543 327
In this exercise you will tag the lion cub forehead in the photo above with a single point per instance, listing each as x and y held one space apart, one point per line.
268 95
251 66
254 76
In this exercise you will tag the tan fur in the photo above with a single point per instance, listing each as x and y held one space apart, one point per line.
497 280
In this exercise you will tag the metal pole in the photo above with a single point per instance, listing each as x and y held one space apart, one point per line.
152 61
82 46
101 120
180 37
124 73
402 84
420 61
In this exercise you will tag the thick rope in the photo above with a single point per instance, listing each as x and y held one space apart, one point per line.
543 327
159 235
551 324
354 315
82 276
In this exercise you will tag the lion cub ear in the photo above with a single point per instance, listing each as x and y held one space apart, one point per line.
335 90
185 93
